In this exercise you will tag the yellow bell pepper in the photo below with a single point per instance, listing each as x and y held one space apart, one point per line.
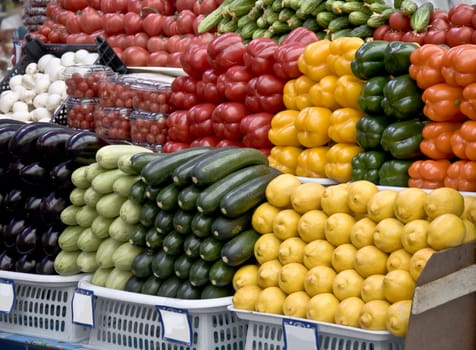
342 52
347 91
311 162
283 131
284 158
290 94
343 125
303 84
313 60
312 124
322 93
339 158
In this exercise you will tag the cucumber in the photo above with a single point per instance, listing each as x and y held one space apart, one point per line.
213 18
142 264
211 292
350 6
182 266
151 286
169 287
164 221
68 214
120 230
187 197
91 197
137 235
78 177
163 265
246 196
103 183
109 205
210 249
100 226
187 291
209 199
130 211
191 246
309 6
198 274
134 284
125 255
167 197
201 225
153 239
100 276
338 23
408 7
117 279
225 228
125 164
123 184
105 251
358 18
107 156
420 19
137 192
324 18
68 239
65 263
362 31
158 171
221 164
221 274
76 197
147 213
88 242
240 248
139 160
93 170
182 221
173 243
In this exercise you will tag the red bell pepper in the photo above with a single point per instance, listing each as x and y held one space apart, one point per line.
184 92
207 88
173 146
228 143
226 120
200 119
428 173
286 60
178 126
259 55
461 175
301 35
436 143
265 94
226 50
233 84
194 59
207 141
255 128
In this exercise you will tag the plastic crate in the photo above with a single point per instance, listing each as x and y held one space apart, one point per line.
265 333
43 307
128 321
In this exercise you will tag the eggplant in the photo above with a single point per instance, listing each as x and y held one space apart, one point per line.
28 240
51 207
6 133
35 174
7 121
23 142
49 240
12 230
46 266
60 175
52 144
32 207
7 261
14 200
26 263
82 146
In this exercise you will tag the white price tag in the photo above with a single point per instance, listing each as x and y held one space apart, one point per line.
299 335
83 307
7 296
176 326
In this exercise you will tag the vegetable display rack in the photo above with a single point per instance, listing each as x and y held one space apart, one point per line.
42 307
125 320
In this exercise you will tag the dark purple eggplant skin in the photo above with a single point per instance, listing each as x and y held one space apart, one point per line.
51 146
12 230
28 240
46 266
6 133
35 174
60 175
49 240
14 168
7 261
14 200
26 263
7 121
82 146
32 207
51 207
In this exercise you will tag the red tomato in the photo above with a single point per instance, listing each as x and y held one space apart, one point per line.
64 16
178 43
135 56
413 37
95 4
181 5
440 24
459 35
134 6
184 22
141 39
74 5
113 23
399 21
152 24
473 21
174 59
437 37
461 15
393 35
90 20
78 38
44 30
169 26
110 6
207 6
164 7
380 31
72 25
157 43
438 14
132 23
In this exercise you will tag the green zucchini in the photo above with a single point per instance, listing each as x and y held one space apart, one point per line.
87 241
169 287
221 274
105 251
103 182
142 264
191 246
65 263
134 284
153 239
173 243
109 205
182 266
92 170
159 170
123 184
246 196
140 160
148 212
164 221
76 197
198 274
125 255
225 228
130 211
163 265
120 230
78 177
210 249
100 226
151 285
117 279
240 248
208 200
151 192
201 225
125 164
68 238
183 221
187 291
166 199
218 166
107 156
91 197
187 197
137 192
137 235
100 276
211 292
68 214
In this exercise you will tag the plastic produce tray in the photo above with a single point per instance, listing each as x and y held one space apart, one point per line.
265 332
43 307
125 320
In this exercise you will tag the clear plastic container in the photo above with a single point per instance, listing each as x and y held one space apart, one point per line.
113 123
82 81
148 129
80 112
114 91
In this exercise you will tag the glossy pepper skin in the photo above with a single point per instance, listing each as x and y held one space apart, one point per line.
178 129
226 119
341 53
342 126
402 98
284 158
233 84
442 103
255 128
396 57
366 165
369 60
436 143
312 124
468 105
283 131
463 141
200 120
394 172
225 51
258 56
426 63
322 93
461 175
265 94
339 161
313 61
347 91
369 131
371 95
311 162
428 173
402 139
458 65
296 94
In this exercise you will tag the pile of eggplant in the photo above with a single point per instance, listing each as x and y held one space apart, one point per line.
36 162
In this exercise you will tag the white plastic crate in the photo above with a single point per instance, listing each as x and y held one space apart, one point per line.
43 307
125 320
265 333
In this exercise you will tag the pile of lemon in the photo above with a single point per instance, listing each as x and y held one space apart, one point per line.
350 253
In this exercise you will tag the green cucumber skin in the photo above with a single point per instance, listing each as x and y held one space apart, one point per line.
225 228
240 248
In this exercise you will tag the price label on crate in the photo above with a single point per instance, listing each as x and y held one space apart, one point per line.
7 296
176 326
83 307
299 335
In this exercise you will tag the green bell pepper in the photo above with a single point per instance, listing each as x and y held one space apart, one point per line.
366 165
402 98
402 139
396 57
394 172
371 95
369 131
368 60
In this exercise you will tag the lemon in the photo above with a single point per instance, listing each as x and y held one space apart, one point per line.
418 261
296 304
334 199
343 257
268 274
245 298
306 197
318 253
399 259
373 315
372 288
358 195
443 200
262 218
285 224
380 206
319 279
370 260
291 250
362 233
387 235
338 227
410 204
398 316
347 283
348 312
470 231
414 235
446 231
278 191
398 285
322 307
266 248
291 278
311 225
246 275
270 300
